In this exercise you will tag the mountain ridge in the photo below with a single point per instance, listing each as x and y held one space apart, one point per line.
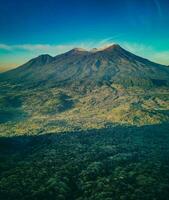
93 50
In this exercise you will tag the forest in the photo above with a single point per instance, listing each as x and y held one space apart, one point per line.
120 163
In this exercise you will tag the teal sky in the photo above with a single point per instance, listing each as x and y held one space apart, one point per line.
30 28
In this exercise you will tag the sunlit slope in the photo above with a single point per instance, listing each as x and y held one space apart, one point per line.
55 110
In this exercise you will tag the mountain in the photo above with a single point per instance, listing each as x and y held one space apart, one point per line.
81 90
83 69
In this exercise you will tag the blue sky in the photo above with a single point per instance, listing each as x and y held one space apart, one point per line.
30 28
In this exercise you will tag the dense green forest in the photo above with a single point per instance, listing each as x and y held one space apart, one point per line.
120 163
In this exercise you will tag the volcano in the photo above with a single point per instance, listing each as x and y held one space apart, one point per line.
87 69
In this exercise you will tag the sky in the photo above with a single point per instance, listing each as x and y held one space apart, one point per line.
34 27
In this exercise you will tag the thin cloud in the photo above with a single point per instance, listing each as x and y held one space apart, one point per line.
162 57
140 49
137 48
5 47
111 40
148 52
159 9
37 47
